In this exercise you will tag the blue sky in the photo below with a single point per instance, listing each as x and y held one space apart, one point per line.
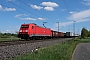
13 13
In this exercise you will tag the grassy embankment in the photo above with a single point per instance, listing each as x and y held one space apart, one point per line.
61 51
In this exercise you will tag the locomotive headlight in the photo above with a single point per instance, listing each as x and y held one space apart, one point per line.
20 31
26 30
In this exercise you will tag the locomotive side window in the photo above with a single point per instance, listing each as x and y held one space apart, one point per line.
32 27
24 26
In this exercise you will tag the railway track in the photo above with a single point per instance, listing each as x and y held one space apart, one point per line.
15 48
16 42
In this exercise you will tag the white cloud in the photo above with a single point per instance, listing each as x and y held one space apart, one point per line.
78 17
82 15
61 25
50 4
49 8
19 15
86 2
62 9
25 14
41 18
0 7
36 7
13 26
64 23
72 12
28 18
9 9
10 0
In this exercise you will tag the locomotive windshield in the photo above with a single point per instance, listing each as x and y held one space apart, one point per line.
25 26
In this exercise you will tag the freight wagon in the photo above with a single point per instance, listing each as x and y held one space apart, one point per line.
56 34
69 34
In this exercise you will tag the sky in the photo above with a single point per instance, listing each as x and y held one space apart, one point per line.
68 13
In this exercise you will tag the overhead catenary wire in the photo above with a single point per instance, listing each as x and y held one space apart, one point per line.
36 10
67 9
9 7
72 17
66 5
16 10
27 10
23 8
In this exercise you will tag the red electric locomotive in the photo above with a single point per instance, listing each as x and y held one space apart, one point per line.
33 31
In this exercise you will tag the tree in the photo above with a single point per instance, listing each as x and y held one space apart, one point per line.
84 33
0 34
89 33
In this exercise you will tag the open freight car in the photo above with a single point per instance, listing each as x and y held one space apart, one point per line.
34 31
56 34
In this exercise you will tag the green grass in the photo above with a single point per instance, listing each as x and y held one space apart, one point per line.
9 39
85 40
61 51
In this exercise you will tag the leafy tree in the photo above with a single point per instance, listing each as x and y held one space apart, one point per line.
89 33
84 33
0 34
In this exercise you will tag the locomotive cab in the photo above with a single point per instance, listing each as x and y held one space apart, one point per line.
23 31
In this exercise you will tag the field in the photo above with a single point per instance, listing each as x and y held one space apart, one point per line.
9 39
61 51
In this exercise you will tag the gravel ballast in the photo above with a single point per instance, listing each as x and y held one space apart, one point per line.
8 52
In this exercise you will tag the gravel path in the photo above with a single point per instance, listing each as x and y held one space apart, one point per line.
7 52
82 52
